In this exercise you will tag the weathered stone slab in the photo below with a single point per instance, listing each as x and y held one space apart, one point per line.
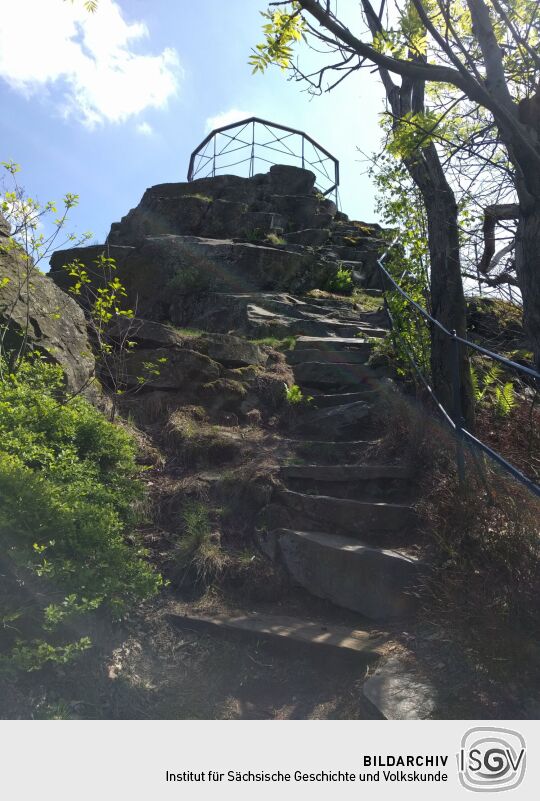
323 375
356 356
355 518
336 421
399 693
341 399
289 630
373 581
348 472
330 343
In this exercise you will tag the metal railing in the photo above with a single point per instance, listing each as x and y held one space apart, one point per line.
252 140
455 419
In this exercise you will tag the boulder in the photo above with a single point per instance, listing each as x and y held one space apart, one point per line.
221 207
229 350
303 211
225 220
289 180
56 324
147 334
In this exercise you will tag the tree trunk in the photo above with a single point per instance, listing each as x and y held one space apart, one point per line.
528 272
447 296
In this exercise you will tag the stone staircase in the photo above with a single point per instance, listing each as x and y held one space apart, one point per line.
342 529
339 523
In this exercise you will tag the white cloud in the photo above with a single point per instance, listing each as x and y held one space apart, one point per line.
226 118
145 129
85 63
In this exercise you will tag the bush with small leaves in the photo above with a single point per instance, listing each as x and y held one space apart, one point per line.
68 494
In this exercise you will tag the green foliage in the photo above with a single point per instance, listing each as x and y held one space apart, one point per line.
413 132
89 5
36 231
366 300
68 492
274 239
28 218
401 207
106 301
104 308
198 550
281 32
340 282
294 395
287 343
200 196
491 391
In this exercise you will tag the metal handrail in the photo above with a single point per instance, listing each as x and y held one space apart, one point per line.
242 124
456 421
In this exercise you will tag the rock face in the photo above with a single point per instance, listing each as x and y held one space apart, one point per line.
230 234
56 323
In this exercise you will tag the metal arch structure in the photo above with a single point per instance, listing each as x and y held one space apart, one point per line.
240 138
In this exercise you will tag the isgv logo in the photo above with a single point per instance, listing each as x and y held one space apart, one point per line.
491 759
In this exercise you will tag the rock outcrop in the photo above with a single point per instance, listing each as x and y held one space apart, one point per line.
38 315
228 234
219 271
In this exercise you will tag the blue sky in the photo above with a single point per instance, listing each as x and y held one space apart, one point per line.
105 105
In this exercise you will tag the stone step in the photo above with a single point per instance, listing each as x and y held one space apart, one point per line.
331 452
337 422
261 322
340 399
323 376
357 356
335 303
331 343
373 581
288 631
358 482
346 472
359 519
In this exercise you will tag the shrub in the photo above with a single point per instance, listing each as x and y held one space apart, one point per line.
340 281
295 396
68 491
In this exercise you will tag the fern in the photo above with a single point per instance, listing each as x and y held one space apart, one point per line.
505 399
